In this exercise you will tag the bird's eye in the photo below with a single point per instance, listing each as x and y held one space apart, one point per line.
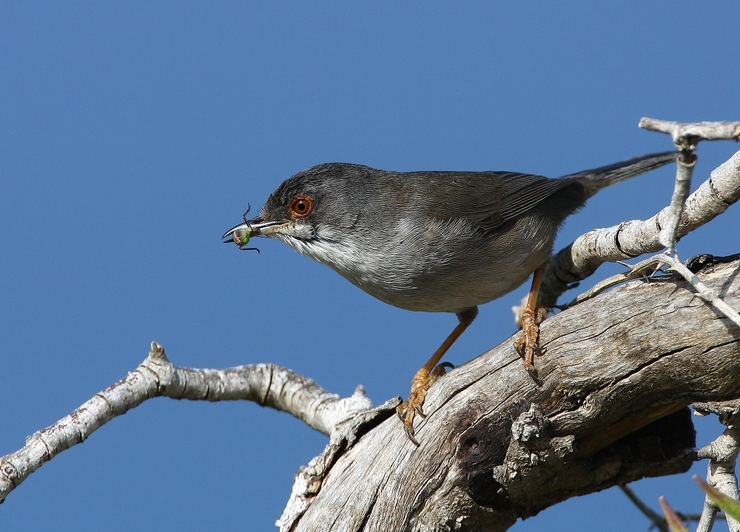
301 206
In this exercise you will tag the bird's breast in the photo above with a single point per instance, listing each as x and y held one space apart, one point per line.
438 266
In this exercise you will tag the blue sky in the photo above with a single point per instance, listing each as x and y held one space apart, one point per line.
132 135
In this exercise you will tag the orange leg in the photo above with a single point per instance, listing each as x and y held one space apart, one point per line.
428 374
527 345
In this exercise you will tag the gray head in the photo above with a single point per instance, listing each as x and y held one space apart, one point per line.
311 206
322 212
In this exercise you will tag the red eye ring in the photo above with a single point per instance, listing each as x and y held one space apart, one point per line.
301 206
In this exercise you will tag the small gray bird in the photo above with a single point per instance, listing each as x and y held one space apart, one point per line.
433 241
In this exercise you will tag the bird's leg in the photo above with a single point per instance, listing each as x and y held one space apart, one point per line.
527 344
426 376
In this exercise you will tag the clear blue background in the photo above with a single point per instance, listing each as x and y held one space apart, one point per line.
134 134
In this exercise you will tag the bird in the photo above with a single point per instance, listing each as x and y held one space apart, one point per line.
434 241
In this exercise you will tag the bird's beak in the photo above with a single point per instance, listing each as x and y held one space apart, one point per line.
241 233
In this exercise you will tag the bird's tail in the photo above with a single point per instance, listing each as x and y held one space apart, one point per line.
606 176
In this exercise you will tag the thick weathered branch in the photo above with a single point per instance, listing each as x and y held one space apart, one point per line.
618 374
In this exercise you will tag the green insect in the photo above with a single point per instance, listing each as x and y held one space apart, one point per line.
242 236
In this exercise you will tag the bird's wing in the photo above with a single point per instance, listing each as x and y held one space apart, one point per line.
524 191
488 199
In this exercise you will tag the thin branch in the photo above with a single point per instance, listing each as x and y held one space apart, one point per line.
658 522
702 290
265 384
686 137
633 238
655 518
682 131
642 269
648 267
722 454
684 170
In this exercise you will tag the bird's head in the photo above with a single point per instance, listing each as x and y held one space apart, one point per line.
312 212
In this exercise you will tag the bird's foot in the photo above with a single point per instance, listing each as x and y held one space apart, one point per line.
420 384
528 343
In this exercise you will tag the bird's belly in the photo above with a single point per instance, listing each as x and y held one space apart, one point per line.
449 291
435 284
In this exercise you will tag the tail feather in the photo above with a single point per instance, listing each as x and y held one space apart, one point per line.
606 176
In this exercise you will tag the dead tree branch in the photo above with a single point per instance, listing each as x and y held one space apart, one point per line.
618 375
616 379
636 237
722 454
265 384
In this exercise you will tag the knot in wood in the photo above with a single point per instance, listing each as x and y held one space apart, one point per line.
530 428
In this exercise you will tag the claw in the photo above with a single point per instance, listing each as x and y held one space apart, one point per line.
410 434
420 384
406 413
533 374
